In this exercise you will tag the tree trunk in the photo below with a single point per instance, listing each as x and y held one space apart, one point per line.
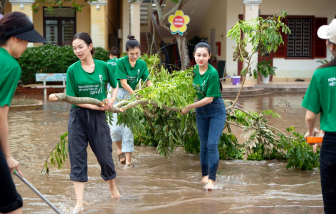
2 6
183 51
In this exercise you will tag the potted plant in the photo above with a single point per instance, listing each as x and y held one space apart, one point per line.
265 69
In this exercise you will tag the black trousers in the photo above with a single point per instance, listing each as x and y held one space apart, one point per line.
89 126
10 200
328 172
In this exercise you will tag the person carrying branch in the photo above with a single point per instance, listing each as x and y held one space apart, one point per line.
130 70
210 112
320 98
87 123
16 30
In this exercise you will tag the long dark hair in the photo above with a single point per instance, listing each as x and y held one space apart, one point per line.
115 52
332 62
9 22
132 43
205 44
85 37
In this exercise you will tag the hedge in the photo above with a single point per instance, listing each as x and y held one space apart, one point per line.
51 59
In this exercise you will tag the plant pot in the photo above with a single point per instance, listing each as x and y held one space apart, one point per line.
265 80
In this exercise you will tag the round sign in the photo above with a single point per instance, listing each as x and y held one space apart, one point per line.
178 21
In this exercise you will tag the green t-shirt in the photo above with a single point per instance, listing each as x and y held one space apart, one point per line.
112 64
321 97
80 83
207 84
10 72
132 74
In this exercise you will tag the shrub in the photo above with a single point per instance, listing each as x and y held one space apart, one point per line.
50 59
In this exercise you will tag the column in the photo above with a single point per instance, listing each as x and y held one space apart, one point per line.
251 11
24 6
135 19
125 23
98 23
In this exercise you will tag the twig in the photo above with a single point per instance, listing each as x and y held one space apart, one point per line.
234 124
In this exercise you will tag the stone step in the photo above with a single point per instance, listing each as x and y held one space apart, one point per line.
254 91
237 87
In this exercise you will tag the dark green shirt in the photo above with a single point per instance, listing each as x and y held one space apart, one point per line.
320 97
112 64
207 84
80 83
132 74
10 72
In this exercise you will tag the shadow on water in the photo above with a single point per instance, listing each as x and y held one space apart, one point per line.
163 184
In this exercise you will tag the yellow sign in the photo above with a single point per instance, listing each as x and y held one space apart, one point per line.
178 22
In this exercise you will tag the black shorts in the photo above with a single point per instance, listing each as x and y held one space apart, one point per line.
87 126
10 200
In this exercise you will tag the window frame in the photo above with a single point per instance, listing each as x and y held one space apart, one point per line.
312 18
319 49
59 24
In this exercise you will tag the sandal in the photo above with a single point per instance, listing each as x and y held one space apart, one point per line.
130 165
122 156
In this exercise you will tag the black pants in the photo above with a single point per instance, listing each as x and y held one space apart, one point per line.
89 126
10 200
328 172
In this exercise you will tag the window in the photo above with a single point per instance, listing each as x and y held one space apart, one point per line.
299 42
59 25
303 42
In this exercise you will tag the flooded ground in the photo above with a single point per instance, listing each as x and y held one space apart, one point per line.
163 184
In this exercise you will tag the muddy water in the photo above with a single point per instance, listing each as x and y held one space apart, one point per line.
163 184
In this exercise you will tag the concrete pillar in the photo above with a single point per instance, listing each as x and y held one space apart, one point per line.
251 11
98 24
23 6
125 23
135 20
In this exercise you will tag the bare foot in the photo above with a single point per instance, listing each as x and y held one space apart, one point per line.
210 186
115 193
78 208
205 179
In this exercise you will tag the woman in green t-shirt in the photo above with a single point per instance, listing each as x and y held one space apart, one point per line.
130 69
210 112
112 64
16 30
320 98
87 123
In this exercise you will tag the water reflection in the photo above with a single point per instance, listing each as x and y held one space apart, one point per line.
163 184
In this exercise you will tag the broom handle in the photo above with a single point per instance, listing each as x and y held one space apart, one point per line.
37 192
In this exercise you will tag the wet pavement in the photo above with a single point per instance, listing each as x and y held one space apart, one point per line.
163 184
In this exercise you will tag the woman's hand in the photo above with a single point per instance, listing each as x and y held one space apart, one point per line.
185 110
109 103
13 165
315 131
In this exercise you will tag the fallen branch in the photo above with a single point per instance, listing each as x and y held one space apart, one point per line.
117 108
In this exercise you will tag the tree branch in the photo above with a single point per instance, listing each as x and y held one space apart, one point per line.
173 10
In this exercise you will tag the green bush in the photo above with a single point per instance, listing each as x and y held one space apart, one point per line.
50 59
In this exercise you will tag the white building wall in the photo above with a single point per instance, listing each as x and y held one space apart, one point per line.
286 68
292 68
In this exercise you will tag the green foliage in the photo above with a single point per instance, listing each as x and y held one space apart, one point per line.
50 59
300 154
263 34
264 68
58 155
